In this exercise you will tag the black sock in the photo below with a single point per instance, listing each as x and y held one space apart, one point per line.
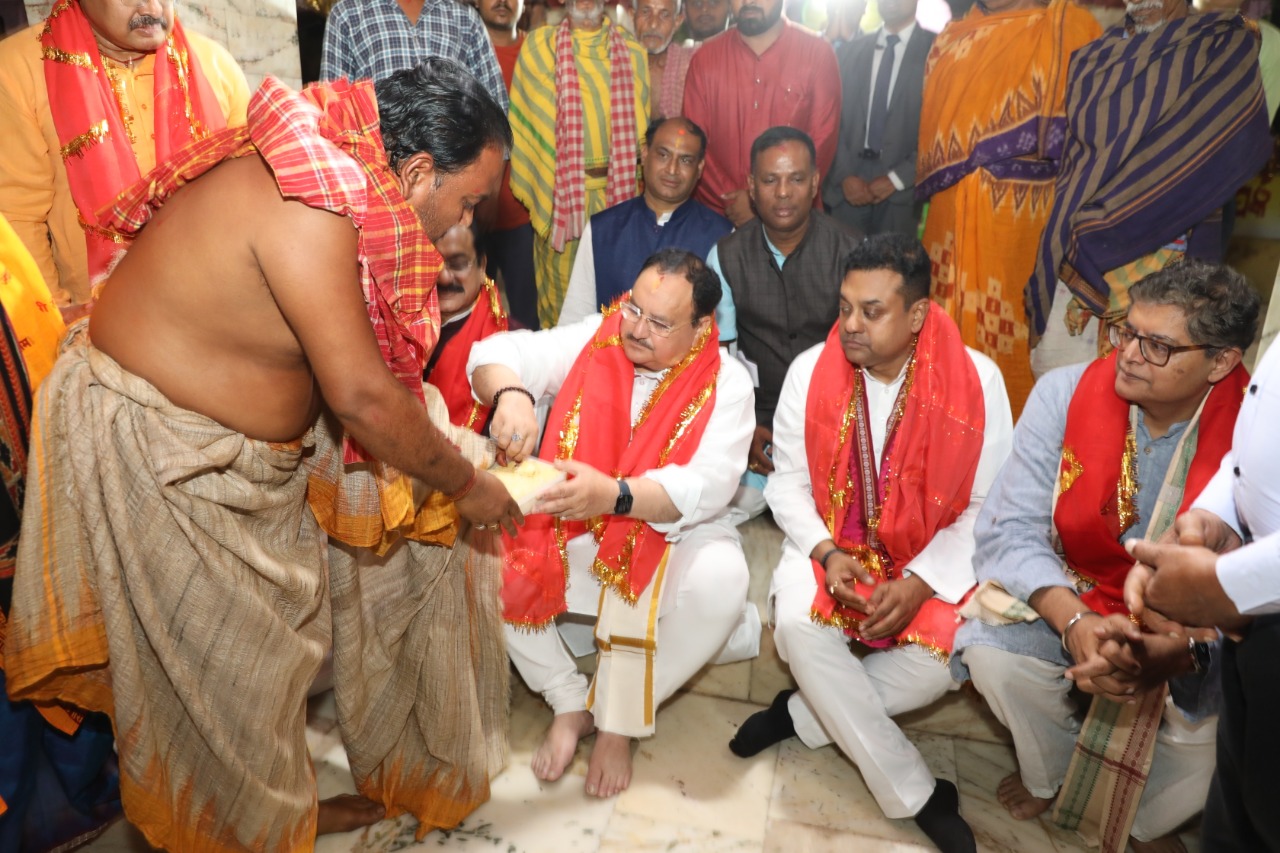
764 728
940 819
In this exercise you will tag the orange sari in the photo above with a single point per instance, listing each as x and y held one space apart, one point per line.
991 132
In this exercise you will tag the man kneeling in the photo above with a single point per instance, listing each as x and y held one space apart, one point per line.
652 426
1105 453
886 440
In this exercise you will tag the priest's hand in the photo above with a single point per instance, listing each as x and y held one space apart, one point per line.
514 427
1206 529
856 191
894 604
586 494
489 504
1181 584
843 571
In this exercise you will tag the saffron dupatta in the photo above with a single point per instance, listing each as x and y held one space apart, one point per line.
928 464
592 414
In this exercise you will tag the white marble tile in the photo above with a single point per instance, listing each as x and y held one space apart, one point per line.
634 834
822 788
686 775
981 767
768 673
729 681
789 837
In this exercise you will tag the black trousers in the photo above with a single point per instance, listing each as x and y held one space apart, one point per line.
1243 809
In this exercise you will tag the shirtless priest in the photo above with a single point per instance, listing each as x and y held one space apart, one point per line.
651 421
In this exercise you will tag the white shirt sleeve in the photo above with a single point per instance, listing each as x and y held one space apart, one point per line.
1218 495
580 298
789 490
702 488
541 359
1250 576
946 563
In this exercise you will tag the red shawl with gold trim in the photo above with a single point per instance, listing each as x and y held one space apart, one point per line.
592 415
1092 498
926 474
450 371
92 130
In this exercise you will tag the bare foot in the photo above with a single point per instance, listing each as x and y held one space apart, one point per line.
1170 843
347 812
1020 802
609 771
561 742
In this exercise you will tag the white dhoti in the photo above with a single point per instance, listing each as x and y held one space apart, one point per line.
702 616
1033 700
850 700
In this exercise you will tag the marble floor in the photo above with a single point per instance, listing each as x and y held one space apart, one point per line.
689 793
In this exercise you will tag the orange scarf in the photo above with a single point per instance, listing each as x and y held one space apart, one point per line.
929 460
450 371
593 415
88 117
1095 506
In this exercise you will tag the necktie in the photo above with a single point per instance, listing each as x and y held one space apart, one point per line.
880 97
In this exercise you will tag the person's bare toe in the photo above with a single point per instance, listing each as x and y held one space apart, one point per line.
347 812
1020 802
560 743
609 771
1170 843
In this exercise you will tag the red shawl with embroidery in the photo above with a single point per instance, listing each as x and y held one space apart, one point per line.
1094 507
592 415
450 371
87 116
929 460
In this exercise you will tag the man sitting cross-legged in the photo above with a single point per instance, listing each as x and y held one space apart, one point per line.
1106 453
886 440
651 422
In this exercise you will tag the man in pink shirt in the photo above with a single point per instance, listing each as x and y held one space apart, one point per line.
763 72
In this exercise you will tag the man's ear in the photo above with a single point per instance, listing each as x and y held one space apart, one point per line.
1224 361
919 311
416 172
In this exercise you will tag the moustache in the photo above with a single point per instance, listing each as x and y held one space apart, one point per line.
147 21
450 288
501 7
642 344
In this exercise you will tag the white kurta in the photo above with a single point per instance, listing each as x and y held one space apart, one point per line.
843 697
704 597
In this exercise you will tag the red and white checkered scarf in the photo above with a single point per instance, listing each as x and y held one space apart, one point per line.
569 208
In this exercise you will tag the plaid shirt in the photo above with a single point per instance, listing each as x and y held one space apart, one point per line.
373 39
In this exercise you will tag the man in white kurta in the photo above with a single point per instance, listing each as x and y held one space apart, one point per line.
845 697
703 614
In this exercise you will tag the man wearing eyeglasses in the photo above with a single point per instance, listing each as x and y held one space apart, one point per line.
1107 453
651 422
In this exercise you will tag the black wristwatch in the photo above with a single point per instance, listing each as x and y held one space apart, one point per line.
625 499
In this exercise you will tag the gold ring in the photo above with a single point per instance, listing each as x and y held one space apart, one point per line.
831 588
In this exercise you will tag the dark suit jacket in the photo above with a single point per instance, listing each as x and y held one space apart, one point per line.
902 128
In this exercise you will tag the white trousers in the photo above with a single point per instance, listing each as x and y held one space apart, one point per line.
703 615
1058 347
1031 698
850 700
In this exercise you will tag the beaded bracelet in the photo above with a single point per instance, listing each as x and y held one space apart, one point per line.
518 389
827 556
466 487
